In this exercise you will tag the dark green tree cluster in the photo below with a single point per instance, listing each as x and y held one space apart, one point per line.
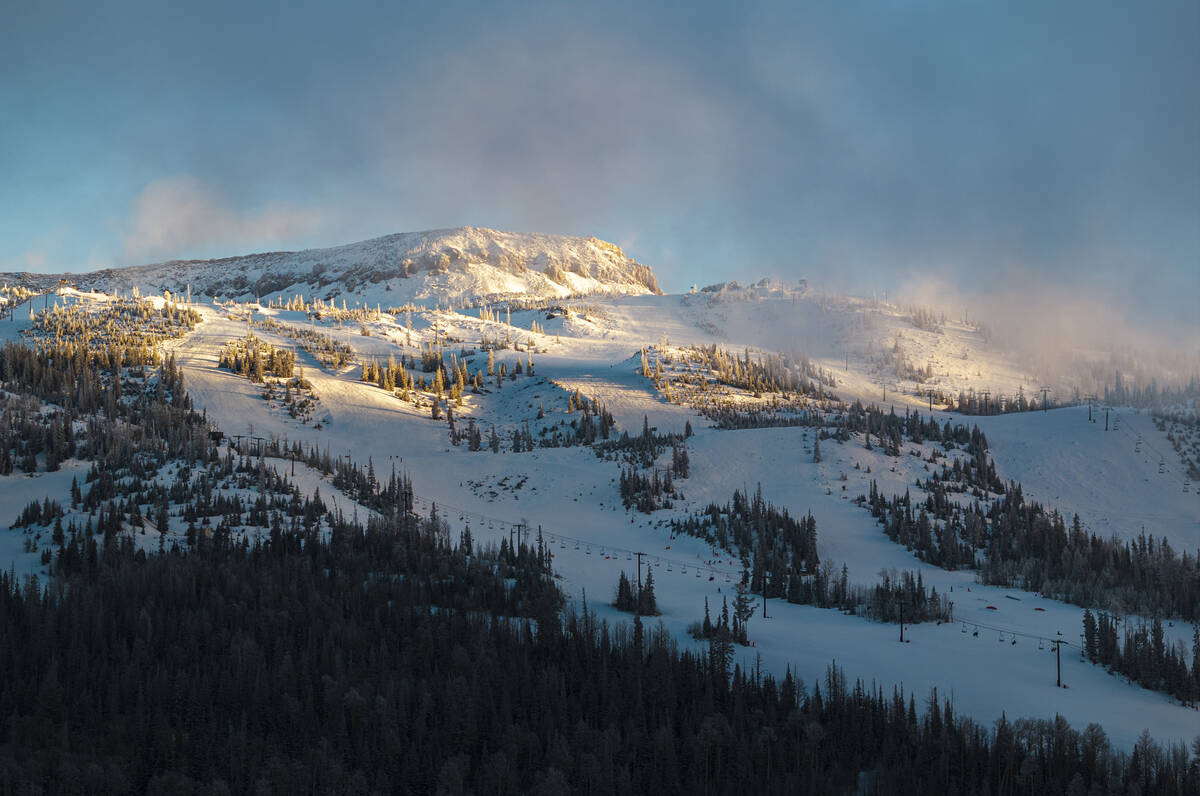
737 418
1014 542
937 531
972 403
120 406
1145 656
647 493
39 512
897 597
756 531
727 630
633 598
641 450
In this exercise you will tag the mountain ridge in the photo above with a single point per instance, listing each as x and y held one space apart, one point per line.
457 263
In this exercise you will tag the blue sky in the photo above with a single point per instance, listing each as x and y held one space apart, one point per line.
965 147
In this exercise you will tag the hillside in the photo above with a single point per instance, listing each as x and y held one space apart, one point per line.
459 266
538 416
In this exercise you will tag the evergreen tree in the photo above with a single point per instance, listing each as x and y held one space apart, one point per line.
624 600
647 604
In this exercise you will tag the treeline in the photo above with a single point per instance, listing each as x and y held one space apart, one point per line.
391 498
1145 657
891 430
736 418
896 360
1148 394
881 429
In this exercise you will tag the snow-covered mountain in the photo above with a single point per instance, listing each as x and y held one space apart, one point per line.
462 265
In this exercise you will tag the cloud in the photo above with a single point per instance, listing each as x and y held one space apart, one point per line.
181 217
557 129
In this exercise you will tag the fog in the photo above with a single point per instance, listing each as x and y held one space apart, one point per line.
1036 162
1073 336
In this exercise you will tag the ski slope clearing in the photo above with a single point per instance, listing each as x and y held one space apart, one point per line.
572 495
1119 481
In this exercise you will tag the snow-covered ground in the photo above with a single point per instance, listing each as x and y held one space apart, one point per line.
572 495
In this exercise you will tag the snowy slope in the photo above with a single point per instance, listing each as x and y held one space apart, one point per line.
572 495
1116 484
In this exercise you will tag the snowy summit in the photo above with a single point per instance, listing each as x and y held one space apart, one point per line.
461 266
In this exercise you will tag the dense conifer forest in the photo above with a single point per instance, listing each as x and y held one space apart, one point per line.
386 659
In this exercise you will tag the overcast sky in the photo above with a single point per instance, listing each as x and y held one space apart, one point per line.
867 146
